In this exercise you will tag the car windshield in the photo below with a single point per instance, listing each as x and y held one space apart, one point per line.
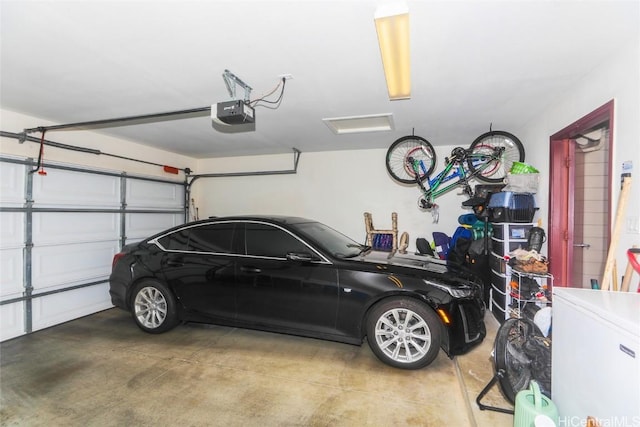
332 241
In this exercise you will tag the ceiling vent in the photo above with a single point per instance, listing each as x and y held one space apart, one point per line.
360 124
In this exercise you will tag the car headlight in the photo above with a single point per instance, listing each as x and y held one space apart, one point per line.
454 292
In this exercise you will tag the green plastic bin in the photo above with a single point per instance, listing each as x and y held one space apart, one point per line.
522 168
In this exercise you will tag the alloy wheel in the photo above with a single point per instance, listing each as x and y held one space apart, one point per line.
403 335
150 307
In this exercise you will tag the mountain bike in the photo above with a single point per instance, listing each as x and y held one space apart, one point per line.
412 159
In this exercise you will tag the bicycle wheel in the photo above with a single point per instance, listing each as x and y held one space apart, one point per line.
417 148
484 145
511 358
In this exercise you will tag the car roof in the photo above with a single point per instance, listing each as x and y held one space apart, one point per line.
275 219
283 219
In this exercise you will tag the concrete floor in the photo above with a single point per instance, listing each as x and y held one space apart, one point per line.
101 370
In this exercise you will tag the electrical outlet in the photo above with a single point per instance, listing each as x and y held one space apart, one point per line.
633 224
285 76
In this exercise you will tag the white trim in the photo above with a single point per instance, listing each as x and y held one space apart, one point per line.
156 242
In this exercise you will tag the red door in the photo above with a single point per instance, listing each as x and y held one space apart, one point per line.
562 210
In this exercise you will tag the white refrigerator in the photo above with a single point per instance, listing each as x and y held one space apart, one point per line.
596 357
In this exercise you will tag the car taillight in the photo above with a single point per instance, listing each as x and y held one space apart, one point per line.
116 258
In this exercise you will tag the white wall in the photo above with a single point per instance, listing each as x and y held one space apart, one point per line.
333 187
617 79
14 122
337 187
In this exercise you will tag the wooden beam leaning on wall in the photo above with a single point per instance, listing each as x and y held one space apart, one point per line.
610 265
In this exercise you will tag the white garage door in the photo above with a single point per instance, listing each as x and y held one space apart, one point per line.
59 232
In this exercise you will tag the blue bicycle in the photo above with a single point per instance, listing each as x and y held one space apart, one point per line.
412 159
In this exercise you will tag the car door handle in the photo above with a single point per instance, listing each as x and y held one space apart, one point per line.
246 269
175 263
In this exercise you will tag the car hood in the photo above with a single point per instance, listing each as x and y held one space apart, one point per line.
421 262
404 263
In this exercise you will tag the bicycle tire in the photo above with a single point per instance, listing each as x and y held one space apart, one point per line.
509 356
496 172
410 146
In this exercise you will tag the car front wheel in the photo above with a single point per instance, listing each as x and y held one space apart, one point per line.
154 307
404 333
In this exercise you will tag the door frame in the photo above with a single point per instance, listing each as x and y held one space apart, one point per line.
561 213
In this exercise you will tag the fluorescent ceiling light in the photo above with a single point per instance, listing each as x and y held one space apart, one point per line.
392 26
358 124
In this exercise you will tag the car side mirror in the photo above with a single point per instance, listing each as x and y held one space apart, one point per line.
299 256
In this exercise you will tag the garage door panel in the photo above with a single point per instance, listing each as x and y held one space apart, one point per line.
11 254
12 320
151 194
71 227
11 230
11 263
65 265
12 184
61 307
68 188
56 253
140 226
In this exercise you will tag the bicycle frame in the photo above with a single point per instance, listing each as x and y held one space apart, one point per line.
480 163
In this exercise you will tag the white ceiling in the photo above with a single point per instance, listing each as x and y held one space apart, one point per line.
474 63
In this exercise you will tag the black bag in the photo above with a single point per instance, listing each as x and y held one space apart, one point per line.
424 248
536 239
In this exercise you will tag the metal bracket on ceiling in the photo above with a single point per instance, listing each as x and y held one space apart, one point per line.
293 171
231 80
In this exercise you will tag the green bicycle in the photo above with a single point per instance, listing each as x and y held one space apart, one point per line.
412 160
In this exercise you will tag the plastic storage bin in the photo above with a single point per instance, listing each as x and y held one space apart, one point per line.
498 302
507 206
499 297
523 183
512 231
499 247
497 263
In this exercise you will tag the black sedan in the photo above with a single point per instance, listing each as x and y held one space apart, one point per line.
298 276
